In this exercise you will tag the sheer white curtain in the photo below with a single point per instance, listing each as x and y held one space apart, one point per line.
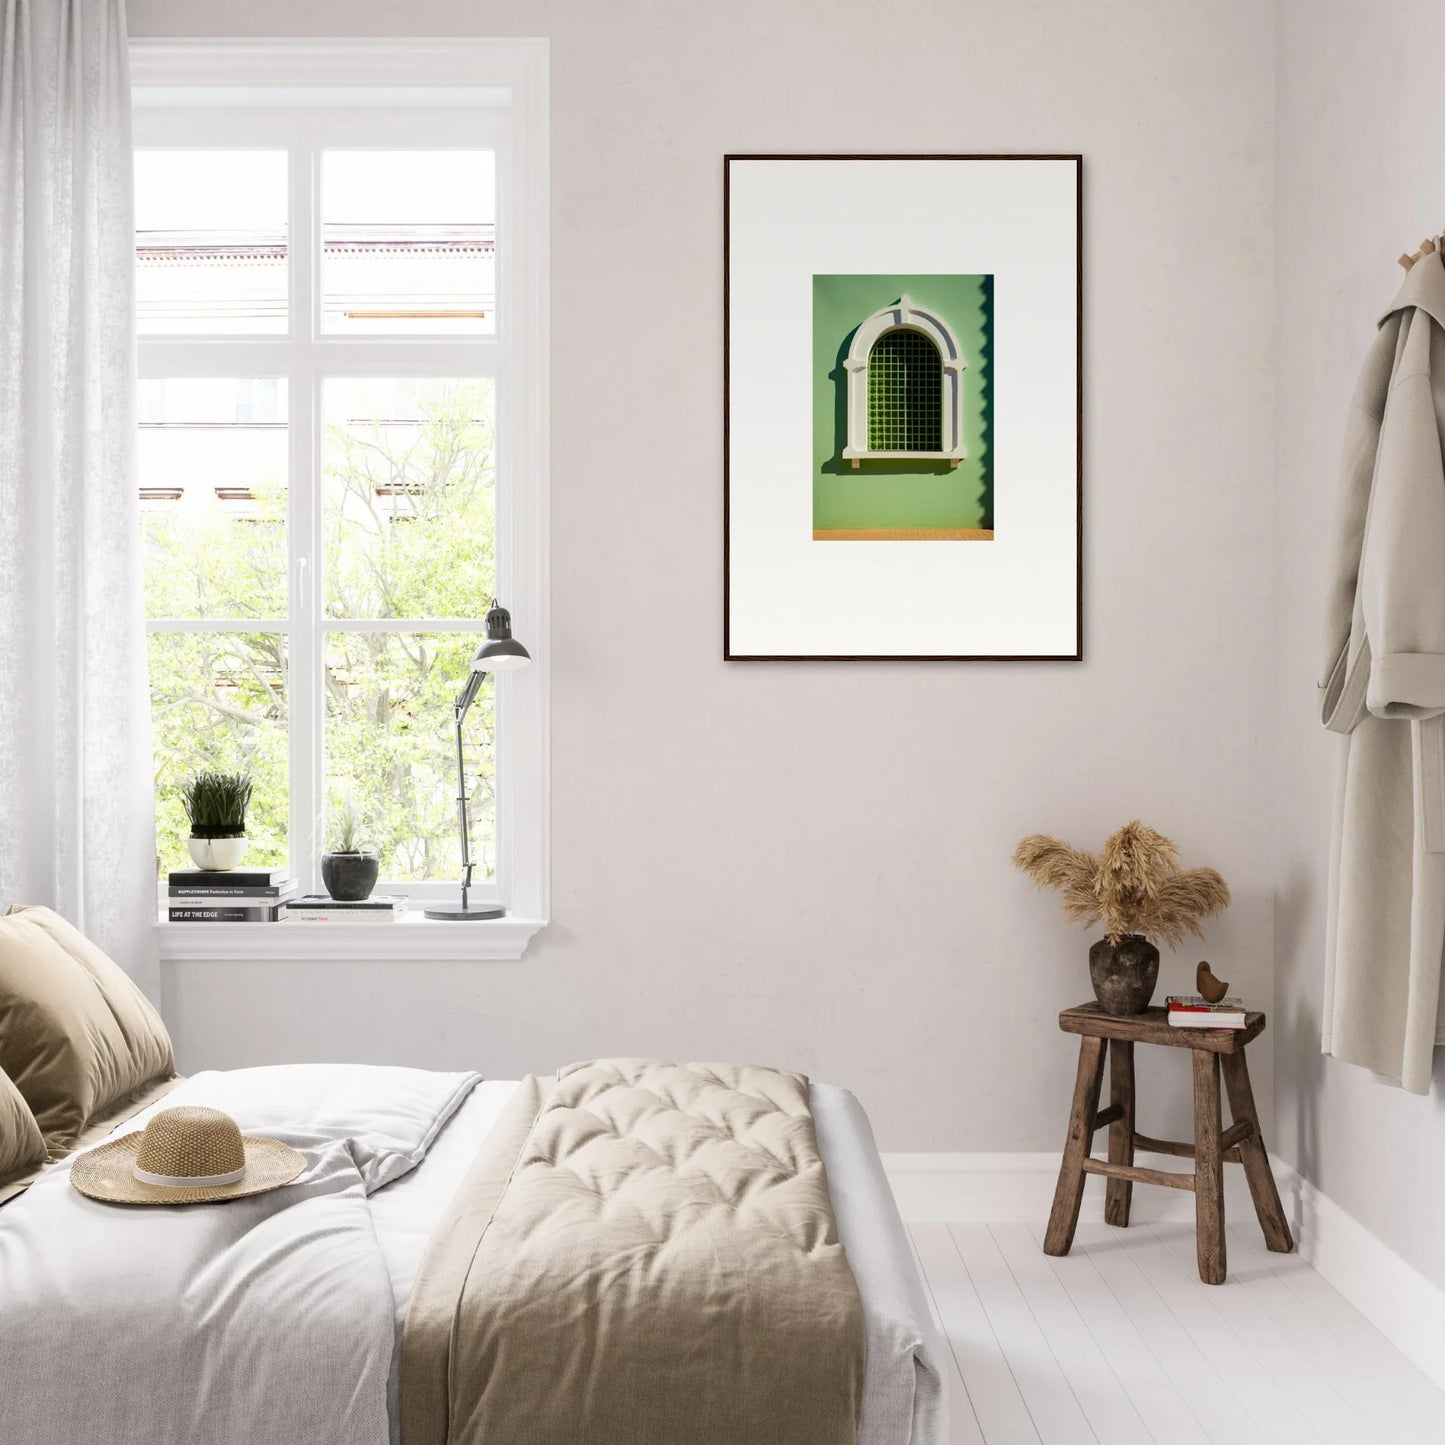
75 762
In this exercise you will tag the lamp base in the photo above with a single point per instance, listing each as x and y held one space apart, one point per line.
456 912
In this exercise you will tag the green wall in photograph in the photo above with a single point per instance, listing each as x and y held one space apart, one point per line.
903 495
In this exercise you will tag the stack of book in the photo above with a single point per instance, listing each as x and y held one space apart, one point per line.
1192 1011
319 908
251 895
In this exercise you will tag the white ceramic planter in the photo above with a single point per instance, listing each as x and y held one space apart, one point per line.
216 855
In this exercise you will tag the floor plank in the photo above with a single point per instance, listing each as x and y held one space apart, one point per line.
1160 1405
1051 1404
1309 1390
989 1385
1214 1337
927 1287
1098 1390
963 1426
1210 1399
1364 1367
1119 1343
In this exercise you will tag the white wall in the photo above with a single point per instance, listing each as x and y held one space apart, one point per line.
1361 178
808 864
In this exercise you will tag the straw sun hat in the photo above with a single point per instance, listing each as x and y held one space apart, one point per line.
186 1155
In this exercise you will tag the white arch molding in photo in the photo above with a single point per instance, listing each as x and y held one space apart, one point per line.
905 388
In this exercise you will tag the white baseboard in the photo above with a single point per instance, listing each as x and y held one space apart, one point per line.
1406 1307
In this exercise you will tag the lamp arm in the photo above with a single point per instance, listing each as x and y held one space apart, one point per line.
468 694
463 702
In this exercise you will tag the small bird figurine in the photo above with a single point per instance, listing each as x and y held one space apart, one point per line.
1210 988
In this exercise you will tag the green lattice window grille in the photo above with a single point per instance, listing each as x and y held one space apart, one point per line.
905 394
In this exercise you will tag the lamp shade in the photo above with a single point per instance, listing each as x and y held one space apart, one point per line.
501 652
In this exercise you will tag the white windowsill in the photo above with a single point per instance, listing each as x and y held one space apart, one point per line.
952 458
411 939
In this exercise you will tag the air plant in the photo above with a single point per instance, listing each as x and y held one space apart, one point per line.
216 804
348 831
1134 886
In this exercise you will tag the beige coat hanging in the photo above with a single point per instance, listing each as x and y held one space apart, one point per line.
1384 686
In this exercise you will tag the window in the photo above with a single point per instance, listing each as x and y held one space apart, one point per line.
408 241
904 379
905 393
210 238
340 256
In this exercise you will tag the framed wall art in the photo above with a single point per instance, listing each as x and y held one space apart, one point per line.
902 408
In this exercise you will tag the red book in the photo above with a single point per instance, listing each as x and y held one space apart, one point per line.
1194 1003
1192 1011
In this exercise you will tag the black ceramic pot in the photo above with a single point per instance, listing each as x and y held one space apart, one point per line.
1124 973
350 877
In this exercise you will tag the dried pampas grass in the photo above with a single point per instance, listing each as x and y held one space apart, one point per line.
1070 871
1134 886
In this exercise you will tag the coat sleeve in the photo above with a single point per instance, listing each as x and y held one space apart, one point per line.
1402 566
1346 664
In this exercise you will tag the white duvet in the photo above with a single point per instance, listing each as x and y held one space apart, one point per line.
260 1320
274 1319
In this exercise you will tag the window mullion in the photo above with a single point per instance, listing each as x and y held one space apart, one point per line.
218 624
306 581
408 624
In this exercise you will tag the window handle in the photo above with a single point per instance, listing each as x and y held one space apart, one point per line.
302 578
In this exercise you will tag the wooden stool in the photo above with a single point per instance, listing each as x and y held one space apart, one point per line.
1212 1148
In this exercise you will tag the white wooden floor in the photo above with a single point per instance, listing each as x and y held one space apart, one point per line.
1120 1343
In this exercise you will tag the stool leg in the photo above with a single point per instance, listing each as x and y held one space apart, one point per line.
1119 1193
1069 1194
1208 1169
1255 1157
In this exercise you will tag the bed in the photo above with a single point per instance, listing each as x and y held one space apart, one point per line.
626 1252
902 1397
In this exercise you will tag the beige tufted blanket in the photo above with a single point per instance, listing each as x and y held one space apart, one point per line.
643 1254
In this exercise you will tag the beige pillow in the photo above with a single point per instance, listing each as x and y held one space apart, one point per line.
76 1035
22 1149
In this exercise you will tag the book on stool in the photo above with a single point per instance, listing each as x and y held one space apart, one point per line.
1194 1011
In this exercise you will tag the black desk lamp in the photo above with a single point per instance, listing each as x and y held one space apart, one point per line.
501 652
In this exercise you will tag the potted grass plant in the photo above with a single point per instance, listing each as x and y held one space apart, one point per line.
216 805
1137 890
350 870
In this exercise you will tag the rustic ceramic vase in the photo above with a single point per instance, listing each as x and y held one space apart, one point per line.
1124 973
350 877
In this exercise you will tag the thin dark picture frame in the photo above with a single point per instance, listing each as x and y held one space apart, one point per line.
1078 654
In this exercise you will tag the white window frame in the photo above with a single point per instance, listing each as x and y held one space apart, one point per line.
903 315
304 96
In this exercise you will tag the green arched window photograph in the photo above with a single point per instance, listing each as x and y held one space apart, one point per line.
902 408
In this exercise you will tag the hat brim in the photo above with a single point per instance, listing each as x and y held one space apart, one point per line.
107 1173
